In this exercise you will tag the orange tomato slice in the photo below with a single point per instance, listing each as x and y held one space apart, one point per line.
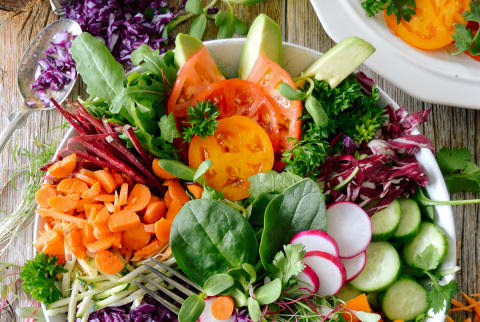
433 24
239 149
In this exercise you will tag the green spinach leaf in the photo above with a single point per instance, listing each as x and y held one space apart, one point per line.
301 207
103 75
218 283
258 207
208 237
272 182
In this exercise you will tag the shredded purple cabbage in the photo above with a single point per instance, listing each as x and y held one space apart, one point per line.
149 311
57 68
123 24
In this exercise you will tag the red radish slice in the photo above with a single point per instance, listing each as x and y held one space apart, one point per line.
350 226
329 269
207 315
354 266
316 240
308 280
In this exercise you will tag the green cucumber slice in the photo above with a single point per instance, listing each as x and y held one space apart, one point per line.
404 300
409 221
385 222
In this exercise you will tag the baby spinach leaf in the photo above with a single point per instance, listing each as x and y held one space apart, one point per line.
202 169
269 292
257 213
168 128
103 75
194 6
238 296
250 271
254 309
241 28
227 26
316 111
211 193
218 283
177 168
271 181
153 62
291 93
301 207
208 237
191 309
198 26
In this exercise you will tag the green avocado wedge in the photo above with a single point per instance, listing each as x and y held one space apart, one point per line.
264 36
340 61
185 46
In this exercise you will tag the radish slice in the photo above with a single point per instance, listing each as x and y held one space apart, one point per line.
329 269
207 315
316 240
354 266
350 226
308 280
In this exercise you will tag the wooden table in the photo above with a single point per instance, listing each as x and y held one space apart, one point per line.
448 126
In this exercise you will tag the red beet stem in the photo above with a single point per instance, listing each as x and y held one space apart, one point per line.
137 145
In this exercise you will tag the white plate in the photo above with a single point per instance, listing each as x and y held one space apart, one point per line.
296 59
433 76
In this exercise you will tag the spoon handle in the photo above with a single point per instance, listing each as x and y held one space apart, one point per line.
17 122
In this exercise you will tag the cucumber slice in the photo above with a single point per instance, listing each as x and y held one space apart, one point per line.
385 222
409 221
427 250
404 300
381 270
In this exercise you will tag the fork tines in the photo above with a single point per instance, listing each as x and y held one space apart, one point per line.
162 278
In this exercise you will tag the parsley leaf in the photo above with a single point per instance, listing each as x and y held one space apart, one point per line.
39 276
168 128
402 9
474 13
463 38
440 295
287 263
451 160
373 7
428 257
202 118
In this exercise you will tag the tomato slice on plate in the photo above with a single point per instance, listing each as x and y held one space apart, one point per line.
199 71
239 149
241 97
269 75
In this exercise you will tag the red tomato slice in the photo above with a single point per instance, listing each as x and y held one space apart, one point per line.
241 97
199 71
269 75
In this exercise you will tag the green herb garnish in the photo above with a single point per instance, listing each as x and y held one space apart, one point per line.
201 120
464 39
440 296
402 9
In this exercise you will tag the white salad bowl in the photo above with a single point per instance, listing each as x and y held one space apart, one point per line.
434 76
295 60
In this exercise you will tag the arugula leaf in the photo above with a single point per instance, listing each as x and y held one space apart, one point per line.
103 75
287 263
156 63
271 182
168 128
202 118
451 160
39 276
440 295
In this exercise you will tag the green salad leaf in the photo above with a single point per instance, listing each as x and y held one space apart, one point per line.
155 63
402 9
191 309
464 38
168 128
461 173
201 120
440 296
208 237
287 263
271 182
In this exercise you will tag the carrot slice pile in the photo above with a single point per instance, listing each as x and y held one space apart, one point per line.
472 307
101 214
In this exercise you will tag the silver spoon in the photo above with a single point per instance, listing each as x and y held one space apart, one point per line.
26 76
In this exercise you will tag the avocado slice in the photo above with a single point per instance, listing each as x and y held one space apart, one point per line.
185 46
265 36
340 61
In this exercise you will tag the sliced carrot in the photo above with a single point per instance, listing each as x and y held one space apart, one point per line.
43 194
72 185
155 210
105 198
102 217
196 190
108 263
99 245
101 231
449 319
162 230
74 242
87 235
136 238
118 178
83 202
45 238
64 167
162 174
358 303
471 301
92 210
93 192
73 196
147 251
123 220
106 180
117 240
123 197
42 212
150 228
87 173
457 303
62 204
175 207
111 208
88 180
168 200
222 307
468 320
177 192
138 198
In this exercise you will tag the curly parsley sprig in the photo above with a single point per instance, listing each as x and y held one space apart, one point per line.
201 120
464 38
402 9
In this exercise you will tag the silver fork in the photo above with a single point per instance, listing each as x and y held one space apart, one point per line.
168 280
